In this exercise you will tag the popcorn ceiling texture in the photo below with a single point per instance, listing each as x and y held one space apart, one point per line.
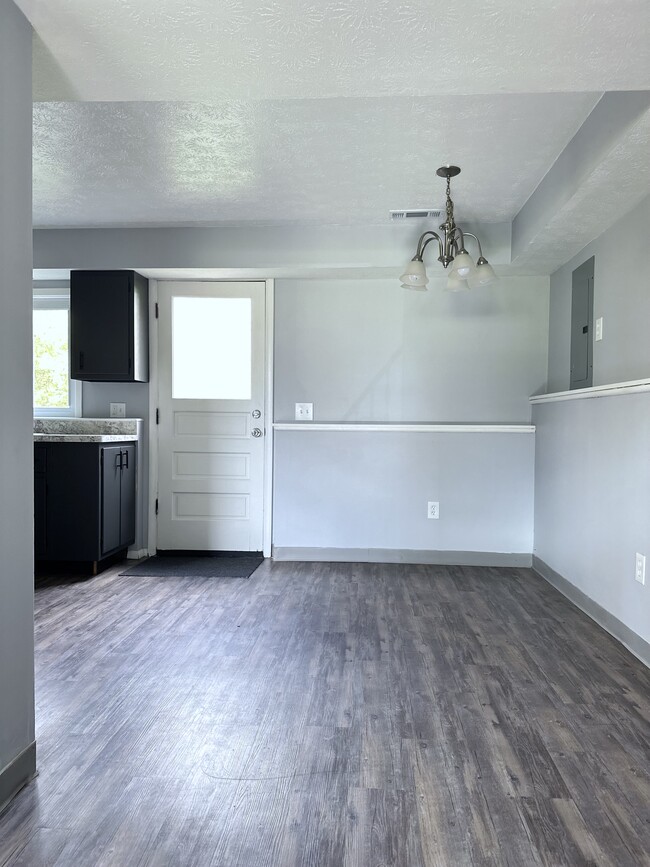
338 161
315 112
297 49
614 187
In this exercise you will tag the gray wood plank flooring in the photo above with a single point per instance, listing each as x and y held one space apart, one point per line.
331 715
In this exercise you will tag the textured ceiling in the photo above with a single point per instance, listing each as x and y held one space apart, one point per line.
338 161
203 50
613 187
212 112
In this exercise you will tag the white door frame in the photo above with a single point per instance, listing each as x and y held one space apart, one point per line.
269 292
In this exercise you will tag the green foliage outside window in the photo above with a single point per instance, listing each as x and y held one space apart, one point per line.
51 364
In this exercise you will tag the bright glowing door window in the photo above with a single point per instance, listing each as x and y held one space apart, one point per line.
211 348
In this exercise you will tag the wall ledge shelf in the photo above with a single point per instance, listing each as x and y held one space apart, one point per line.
634 386
399 427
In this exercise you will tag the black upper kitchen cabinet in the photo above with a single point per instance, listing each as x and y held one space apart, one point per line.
109 326
84 497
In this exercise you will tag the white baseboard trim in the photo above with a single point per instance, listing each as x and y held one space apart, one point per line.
402 555
136 553
616 628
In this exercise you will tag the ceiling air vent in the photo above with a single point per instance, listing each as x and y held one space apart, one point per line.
417 214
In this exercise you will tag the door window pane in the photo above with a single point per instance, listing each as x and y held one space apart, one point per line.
211 348
51 364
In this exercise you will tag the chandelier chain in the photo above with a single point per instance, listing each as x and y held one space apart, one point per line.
450 204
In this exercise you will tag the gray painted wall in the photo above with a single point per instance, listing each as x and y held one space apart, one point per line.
621 297
366 350
267 249
16 454
370 490
592 499
357 346
592 496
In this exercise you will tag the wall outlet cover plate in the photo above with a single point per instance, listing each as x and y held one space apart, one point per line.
304 412
117 410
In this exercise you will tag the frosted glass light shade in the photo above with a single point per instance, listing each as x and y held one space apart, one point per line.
462 264
421 288
483 275
455 283
415 275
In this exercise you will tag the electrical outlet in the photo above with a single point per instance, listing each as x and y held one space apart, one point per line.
433 510
304 412
639 572
118 410
599 328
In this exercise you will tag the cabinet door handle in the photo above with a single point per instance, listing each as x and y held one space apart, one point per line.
126 465
118 457
81 361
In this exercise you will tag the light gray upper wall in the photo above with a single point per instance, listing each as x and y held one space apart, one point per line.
621 297
268 249
16 429
367 350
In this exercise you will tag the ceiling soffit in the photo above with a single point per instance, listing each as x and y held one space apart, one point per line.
301 49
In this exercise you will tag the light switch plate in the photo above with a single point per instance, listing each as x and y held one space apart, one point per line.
599 328
304 412
118 410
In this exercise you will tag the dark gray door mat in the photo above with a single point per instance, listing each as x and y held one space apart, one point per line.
202 566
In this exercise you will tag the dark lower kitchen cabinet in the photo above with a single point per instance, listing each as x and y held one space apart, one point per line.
84 500
118 497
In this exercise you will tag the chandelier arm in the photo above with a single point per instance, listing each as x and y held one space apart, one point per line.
422 243
428 241
480 251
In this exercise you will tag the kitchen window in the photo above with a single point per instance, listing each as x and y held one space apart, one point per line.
55 394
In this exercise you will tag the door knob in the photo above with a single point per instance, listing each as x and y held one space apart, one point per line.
256 432
256 413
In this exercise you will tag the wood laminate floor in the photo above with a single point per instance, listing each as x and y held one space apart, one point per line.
331 715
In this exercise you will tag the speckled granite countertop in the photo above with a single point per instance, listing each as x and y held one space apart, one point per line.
84 438
87 430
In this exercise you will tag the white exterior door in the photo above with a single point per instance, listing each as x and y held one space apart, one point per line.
211 416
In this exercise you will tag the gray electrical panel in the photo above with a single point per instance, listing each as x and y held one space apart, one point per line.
582 315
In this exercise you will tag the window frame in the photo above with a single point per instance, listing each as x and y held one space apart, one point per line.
57 297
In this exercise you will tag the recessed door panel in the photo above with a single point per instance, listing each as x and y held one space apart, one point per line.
208 506
212 424
211 465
